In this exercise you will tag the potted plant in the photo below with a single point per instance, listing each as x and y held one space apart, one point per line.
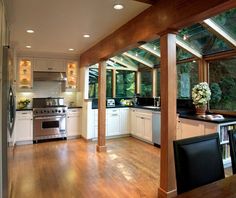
23 103
201 94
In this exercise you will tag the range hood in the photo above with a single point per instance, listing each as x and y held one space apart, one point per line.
49 76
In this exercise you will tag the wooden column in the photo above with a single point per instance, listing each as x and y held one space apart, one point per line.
101 145
114 83
154 82
202 70
138 82
168 115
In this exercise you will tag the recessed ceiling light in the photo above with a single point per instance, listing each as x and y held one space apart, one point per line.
118 6
71 49
30 31
86 35
28 46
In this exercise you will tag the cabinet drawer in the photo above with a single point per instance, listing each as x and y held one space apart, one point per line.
24 115
73 112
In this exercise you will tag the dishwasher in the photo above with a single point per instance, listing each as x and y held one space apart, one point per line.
156 128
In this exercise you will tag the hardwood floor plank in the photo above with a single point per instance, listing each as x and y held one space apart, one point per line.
73 168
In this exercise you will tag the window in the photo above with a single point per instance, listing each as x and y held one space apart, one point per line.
93 83
125 83
187 77
222 80
146 84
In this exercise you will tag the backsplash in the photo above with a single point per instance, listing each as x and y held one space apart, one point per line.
43 89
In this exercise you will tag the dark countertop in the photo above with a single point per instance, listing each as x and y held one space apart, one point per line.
196 117
76 107
27 109
137 107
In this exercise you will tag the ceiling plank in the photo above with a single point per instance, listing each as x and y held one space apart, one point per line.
149 48
219 31
162 17
186 47
138 58
151 2
124 63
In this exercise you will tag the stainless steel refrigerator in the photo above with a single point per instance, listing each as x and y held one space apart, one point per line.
8 120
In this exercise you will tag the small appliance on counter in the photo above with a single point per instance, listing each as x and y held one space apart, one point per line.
111 103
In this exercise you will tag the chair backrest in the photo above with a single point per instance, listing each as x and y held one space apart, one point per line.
232 143
198 161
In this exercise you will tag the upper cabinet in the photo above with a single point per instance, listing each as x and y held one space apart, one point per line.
25 70
49 65
72 74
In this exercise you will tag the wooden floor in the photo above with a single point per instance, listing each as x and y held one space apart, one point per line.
67 169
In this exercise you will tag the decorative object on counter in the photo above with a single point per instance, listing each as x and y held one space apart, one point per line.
201 94
23 103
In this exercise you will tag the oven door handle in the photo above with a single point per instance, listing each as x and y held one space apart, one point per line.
49 117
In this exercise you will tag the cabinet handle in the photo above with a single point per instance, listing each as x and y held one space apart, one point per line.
114 114
24 113
49 68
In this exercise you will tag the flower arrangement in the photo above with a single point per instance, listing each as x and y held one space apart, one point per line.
201 94
23 103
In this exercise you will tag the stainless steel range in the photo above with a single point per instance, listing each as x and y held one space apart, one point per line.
49 118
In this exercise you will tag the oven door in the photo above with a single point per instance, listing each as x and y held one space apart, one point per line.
49 126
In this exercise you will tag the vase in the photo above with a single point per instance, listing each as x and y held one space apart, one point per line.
201 110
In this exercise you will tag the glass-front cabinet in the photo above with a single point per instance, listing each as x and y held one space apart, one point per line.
72 74
25 73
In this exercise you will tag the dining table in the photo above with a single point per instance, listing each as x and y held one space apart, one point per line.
224 188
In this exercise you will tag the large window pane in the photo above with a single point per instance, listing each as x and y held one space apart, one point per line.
125 83
222 79
187 77
93 83
146 84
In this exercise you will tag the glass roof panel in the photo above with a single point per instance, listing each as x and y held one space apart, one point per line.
182 54
200 39
227 20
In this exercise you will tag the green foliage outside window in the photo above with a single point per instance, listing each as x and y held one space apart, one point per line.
125 83
222 79
146 84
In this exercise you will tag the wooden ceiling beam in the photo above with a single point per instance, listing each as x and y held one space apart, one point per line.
186 47
219 31
162 17
138 58
151 2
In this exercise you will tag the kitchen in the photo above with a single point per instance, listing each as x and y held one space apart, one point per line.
79 98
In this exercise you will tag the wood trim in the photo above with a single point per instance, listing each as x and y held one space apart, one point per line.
164 15
187 60
202 70
151 2
101 145
163 194
114 83
138 82
168 112
154 82
221 55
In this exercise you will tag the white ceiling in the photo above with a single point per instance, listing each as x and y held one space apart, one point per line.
60 24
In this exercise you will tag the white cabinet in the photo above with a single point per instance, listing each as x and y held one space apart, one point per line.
133 128
112 122
124 121
23 128
73 123
49 65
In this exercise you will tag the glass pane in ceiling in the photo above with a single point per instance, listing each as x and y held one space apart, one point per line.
145 55
182 54
200 39
227 20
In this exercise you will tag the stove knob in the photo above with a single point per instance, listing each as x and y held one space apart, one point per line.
44 111
59 111
36 112
64 110
56 110
52 111
41 111
48 111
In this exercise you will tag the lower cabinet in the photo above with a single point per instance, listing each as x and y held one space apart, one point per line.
73 123
23 129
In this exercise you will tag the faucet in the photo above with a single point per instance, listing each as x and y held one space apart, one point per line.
156 101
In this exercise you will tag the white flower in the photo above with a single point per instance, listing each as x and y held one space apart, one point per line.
201 94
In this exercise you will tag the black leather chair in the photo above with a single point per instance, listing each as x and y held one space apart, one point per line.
232 143
198 161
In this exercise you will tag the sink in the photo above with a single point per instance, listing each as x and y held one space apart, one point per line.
151 107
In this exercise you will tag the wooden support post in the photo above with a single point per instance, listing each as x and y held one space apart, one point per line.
138 82
168 115
154 82
202 70
101 145
114 83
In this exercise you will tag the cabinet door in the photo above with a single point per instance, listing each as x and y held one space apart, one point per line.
191 128
23 129
113 123
73 125
140 124
40 64
148 128
124 121
133 122
56 65
210 128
